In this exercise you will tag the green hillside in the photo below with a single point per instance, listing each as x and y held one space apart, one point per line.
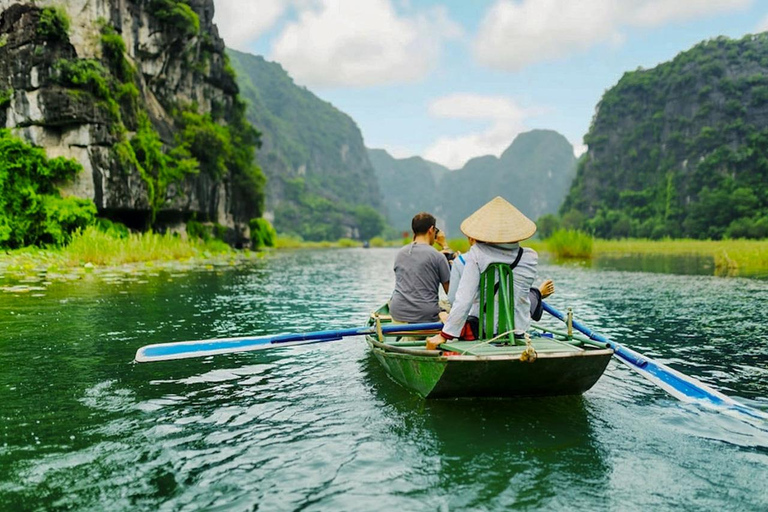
680 150
321 184
408 185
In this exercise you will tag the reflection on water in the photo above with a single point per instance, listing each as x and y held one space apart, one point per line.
690 264
324 427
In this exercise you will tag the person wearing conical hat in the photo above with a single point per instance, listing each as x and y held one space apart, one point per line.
497 228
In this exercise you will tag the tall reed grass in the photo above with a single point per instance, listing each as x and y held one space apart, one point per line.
94 246
568 243
731 257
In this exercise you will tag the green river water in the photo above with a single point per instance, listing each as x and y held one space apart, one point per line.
322 427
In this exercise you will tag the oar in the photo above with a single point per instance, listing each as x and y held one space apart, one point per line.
202 348
675 383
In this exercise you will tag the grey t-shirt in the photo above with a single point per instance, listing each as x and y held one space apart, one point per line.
419 271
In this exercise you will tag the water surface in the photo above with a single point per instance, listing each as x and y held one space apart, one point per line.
323 428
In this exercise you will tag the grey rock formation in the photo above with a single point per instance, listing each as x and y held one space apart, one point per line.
174 67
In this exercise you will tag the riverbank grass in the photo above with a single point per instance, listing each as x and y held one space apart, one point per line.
731 257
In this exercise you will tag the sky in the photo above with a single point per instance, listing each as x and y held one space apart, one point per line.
455 79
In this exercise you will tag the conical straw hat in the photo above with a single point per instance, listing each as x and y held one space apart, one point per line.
498 222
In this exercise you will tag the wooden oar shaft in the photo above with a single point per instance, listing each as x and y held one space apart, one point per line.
679 385
203 348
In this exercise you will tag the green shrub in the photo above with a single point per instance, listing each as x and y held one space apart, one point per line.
377 241
567 243
113 47
31 209
198 230
6 95
53 24
86 74
348 242
262 233
64 216
176 14
547 224
114 229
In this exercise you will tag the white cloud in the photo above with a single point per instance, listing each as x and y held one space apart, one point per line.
242 22
505 117
514 34
763 25
361 43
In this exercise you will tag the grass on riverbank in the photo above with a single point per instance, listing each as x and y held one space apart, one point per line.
93 247
731 257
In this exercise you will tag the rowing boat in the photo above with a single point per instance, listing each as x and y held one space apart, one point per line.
560 364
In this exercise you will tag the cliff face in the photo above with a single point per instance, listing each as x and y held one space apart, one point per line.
123 80
534 174
680 149
321 182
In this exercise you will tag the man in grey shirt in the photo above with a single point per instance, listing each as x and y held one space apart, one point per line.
419 270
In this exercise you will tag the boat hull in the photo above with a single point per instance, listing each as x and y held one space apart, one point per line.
453 376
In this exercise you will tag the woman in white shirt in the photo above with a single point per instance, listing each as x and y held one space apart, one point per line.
498 227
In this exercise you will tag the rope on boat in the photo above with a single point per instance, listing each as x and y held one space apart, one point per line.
529 355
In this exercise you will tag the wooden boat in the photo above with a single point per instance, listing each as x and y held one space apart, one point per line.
563 364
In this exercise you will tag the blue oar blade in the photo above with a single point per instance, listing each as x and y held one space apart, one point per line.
217 346
677 384
204 348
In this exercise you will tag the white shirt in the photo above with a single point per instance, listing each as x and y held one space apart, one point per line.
467 295
456 270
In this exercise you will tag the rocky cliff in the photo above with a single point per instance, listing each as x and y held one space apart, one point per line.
680 149
140 93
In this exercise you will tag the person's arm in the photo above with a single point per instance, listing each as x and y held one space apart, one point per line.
444 272
455 280
465 297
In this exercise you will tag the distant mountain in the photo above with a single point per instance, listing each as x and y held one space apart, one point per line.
321 184
534 174
408 185
680 150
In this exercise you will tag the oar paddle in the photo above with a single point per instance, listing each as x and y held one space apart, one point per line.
202 348
675 383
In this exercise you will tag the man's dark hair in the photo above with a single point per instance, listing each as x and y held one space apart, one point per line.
422 222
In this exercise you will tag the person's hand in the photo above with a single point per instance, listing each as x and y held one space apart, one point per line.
547 288
440 240
434 341
443 316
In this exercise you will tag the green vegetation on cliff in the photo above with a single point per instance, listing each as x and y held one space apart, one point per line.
680 150
321 184
32 212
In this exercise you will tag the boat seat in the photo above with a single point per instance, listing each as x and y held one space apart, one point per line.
497 301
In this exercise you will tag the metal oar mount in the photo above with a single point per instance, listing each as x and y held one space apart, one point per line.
675 383
203 348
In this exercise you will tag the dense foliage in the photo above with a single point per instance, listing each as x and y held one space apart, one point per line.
680 150
176 14
262 233
31 210
319 173
53 24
